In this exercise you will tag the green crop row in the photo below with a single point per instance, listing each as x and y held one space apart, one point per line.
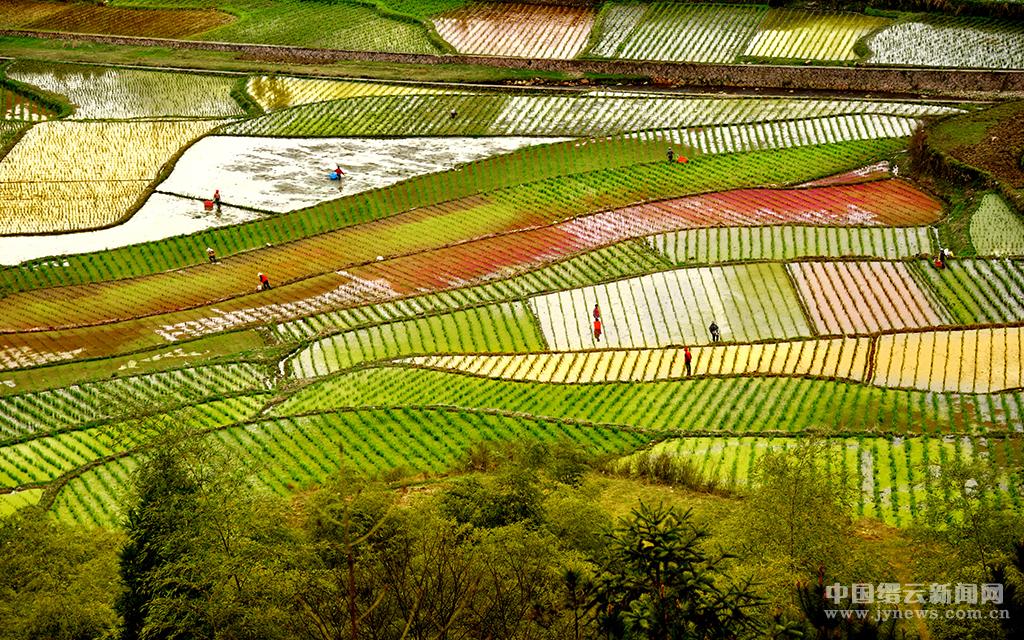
498 328
737 405
978 291
31 414
44 459
290 454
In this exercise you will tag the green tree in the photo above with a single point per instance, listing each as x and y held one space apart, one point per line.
57 582
797 514
659 583
206 549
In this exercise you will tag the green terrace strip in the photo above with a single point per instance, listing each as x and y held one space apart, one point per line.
500 328
44 459
892 479
31 414
9 130
733 244
292 454
995 229
978 291
236 345
740 405
540 202
576 114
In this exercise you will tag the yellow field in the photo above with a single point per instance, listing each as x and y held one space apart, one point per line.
794 33
844 358
279 93
68 176
973 361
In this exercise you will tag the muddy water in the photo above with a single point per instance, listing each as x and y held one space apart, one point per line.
280 175
162 216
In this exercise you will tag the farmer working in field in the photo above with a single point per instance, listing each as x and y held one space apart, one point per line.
597 312
671 155
216 199
716 336
597 329
338 172
688 357
211 254
264 282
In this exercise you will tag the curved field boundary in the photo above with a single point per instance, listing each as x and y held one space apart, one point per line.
789 133
296 452
514 29
734 244
311 264
71 176
840 358
876 81
865 297
864 174
996 230
970 361
699 404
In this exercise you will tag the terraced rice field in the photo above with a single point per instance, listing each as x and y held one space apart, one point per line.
519 30
41 191
669 31
748 302
842 358
279 92
15 106
808 35
995 229
447 298
83 17
735 244
892 479
865 297
108 93
948 41
587 114
979 291
972 361
700 405
335 25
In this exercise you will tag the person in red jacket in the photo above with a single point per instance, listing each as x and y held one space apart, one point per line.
688 357
216 199
264 281
597 329
597 312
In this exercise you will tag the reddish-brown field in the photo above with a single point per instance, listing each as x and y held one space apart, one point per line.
83 17
521 30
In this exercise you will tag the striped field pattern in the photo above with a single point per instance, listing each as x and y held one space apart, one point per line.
840 358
